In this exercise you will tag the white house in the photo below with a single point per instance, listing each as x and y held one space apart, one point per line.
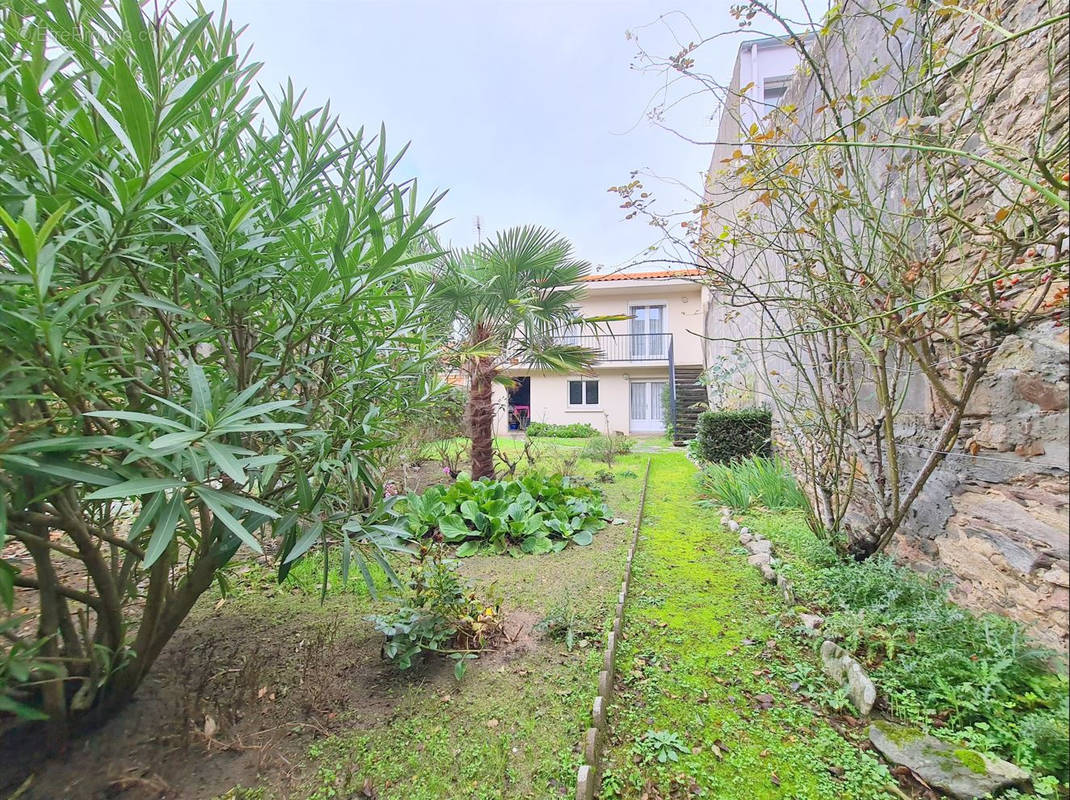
650 361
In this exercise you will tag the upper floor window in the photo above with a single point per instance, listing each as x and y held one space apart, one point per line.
774 89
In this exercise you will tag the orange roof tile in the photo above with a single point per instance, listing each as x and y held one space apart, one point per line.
639 276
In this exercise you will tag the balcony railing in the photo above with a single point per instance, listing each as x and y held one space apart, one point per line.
624 347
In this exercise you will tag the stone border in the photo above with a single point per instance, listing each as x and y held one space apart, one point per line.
836 662
588 776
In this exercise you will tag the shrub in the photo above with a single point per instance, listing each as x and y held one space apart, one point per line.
607 448
724 436
766 481
441 614
577 430
535 514
207 330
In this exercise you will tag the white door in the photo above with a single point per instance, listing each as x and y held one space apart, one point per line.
648 409
648 320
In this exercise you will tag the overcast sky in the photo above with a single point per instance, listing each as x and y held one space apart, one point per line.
526 111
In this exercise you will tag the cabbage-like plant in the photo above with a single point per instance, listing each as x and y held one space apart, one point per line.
208 327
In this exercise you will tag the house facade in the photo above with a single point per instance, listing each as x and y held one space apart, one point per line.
646 376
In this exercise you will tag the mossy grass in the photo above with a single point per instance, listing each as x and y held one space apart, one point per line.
698 659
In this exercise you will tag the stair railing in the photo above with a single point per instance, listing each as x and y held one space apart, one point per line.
672 389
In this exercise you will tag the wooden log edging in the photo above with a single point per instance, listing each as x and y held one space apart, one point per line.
589 775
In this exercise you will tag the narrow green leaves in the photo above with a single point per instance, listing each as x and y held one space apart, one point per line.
164 531
134 488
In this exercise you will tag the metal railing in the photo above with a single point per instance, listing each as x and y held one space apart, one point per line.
626 346
672 392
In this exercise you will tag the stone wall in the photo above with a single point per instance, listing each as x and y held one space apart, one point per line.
995 515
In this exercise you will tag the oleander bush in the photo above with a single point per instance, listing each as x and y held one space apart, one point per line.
725 436
210 327
577 430
535 514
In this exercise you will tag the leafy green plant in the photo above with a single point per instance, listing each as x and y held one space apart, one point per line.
660 746
535 514
741 483
209 329
577 430
724 436
976 676
440 614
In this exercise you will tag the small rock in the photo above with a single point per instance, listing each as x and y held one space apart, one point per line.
757 545
811 621
744 538
785 587
964 774
768 573
744 531
758 559
843 669
726 511
733 525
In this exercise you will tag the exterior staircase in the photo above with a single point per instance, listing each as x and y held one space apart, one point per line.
691 400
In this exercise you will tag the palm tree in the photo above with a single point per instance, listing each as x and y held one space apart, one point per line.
509 301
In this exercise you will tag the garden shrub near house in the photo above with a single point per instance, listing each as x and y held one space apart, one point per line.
577 430
536 514
607 448
723 436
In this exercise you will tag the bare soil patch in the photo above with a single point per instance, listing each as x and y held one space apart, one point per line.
235 700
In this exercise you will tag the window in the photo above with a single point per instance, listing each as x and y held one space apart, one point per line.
583 393
773 90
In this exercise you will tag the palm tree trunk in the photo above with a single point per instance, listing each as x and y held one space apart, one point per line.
481 418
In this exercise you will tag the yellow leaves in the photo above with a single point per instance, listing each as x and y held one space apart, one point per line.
1002 214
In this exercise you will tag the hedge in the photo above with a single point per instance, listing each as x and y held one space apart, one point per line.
577 430
723 436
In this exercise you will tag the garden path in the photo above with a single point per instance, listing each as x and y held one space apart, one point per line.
703 659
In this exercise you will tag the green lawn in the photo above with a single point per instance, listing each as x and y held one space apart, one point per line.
703 658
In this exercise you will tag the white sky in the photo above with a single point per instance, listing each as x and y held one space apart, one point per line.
525 110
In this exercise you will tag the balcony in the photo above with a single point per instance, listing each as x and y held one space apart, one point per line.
626 347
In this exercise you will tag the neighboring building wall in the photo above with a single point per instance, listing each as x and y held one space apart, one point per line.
996 512
733 329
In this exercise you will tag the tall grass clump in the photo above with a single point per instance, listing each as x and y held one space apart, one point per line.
753 480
